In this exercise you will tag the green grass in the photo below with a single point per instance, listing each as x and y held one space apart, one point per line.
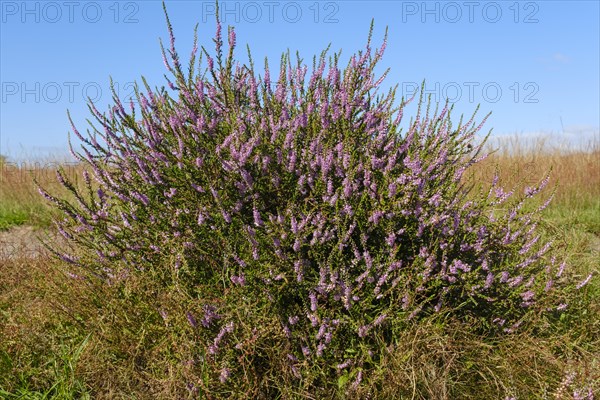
60 369
584 217
14 214
9 217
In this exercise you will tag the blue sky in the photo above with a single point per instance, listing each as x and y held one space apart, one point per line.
534 64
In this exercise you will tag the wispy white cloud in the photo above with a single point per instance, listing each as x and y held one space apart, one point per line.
561 58
555 60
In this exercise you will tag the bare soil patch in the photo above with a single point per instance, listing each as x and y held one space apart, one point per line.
23 241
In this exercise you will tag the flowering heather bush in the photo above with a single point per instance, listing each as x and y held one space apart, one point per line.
305 226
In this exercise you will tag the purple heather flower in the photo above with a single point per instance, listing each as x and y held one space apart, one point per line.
190 386
298 270
209 315
584 282
582 395
528 245
489 280
527 296
257 220
214 193
141 197
484 265
296 246
287 331
414 313
240 262
379 319
64 233
191 319
239 279
313 301
75 276
226 216
531 191
224 375
515 281
231 38
530 281
305 351
163 314
561 269
435 199
294 225
320 349
170 193
513 327
214 348
313 320
322 330
68 258
358 379
201 218
347 210
376 216
438 306
543 250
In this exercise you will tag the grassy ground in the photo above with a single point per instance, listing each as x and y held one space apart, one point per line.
48 350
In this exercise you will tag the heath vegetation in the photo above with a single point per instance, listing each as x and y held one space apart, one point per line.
270 234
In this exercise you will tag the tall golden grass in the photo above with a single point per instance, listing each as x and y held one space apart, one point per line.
20 201
574 170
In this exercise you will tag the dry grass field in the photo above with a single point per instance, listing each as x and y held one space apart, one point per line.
48 350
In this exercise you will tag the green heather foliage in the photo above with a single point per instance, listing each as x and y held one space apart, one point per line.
304 228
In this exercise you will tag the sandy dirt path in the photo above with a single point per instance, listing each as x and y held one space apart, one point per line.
22 241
